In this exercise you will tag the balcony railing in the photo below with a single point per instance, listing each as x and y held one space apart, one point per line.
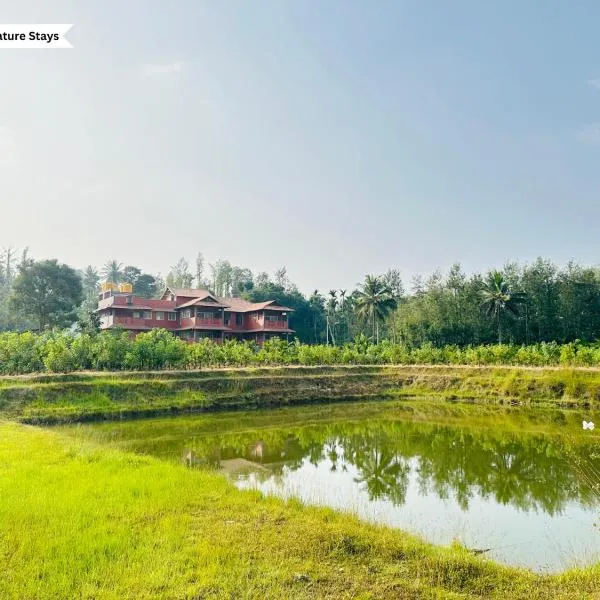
275 324
211 322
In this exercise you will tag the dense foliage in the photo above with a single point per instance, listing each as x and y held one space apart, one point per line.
518 304
158 349
47 292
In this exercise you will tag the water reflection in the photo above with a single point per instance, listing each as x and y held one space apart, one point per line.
533 472
524 488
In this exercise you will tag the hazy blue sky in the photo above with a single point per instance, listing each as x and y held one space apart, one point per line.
336 138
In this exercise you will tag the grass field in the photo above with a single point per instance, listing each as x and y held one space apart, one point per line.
81 521
91 396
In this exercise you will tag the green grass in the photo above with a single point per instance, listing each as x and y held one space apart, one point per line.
81 521
92 396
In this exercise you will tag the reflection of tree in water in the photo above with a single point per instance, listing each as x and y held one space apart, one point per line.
384 474
531 472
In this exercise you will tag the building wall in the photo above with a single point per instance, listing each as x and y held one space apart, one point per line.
111 317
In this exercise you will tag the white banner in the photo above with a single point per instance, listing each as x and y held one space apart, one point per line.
34 36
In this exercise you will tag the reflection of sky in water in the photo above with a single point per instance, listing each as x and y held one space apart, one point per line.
533 539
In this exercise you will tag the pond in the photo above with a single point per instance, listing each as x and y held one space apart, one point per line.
521 485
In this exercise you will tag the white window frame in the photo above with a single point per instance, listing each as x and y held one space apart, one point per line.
159 315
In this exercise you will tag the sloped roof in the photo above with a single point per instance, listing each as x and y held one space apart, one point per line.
201 302
188 292
128 301
241 305
234 304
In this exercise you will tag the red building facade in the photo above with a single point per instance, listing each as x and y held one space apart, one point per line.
193 314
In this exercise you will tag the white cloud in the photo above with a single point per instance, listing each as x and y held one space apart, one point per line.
594 83
156 70
8 147
589 134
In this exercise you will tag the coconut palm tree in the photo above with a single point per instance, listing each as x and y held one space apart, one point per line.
344 316
374 302
331 309
90 280
498 298
113 271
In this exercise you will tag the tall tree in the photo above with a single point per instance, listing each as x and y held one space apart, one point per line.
374 302
90 280
130 274
241 281
222 277
497 299
113 271
281 277
200 283
48 292
146 286
179 276
331 315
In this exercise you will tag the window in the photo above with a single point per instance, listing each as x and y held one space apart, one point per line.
227 319
211 335
275 317
159 315
147 314
239 319
186 314
206 315
136 314
172 316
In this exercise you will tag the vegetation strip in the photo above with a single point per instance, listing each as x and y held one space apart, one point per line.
158 349
88 396
136 527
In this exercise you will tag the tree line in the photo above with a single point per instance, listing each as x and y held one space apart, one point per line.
517 304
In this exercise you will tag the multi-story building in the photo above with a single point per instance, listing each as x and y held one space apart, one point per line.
193 314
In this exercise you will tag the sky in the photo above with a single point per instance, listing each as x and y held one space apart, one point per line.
336 138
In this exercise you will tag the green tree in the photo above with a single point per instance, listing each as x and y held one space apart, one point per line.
130 274
374 302
90 281
497 299
48 292
146 286
113 271
179 276
87 318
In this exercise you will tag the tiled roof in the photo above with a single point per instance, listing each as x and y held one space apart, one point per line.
241 305
136 303
201 302
190 292
131 306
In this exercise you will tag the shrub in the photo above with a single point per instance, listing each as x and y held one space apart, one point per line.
158 349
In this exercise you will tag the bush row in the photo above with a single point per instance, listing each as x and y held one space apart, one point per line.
158 349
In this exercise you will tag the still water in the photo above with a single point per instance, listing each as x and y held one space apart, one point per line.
519 484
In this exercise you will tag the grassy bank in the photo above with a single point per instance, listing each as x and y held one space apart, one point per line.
89 396
136 527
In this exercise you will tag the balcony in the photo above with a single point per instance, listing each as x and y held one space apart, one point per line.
208 322
275 324
202 323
